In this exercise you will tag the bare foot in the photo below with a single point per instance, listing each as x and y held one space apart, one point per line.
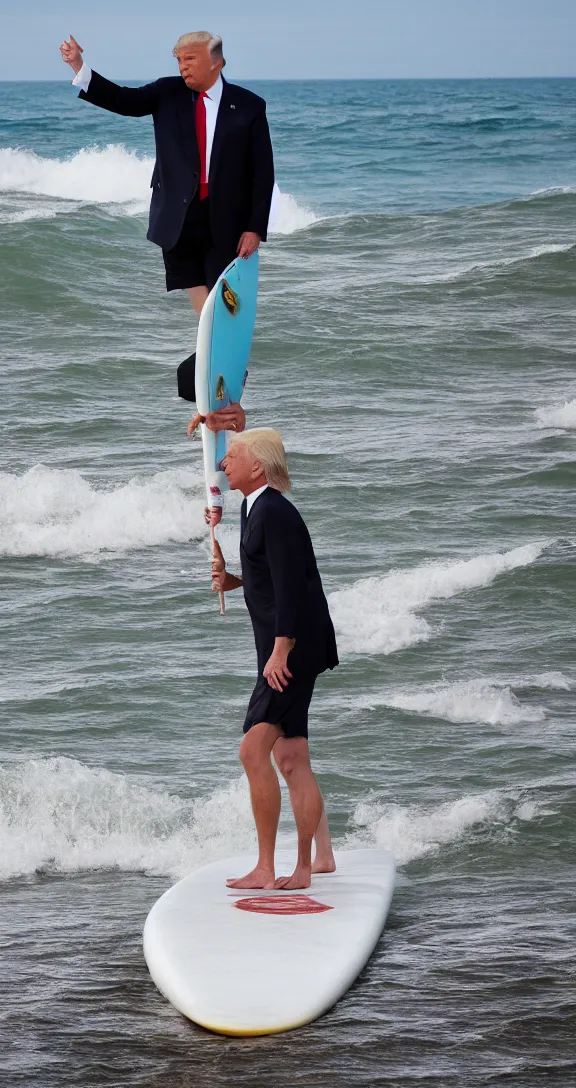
258 878
301 878
324 865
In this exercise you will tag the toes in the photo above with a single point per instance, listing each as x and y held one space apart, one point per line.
250 883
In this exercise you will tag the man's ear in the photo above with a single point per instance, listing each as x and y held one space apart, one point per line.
257 469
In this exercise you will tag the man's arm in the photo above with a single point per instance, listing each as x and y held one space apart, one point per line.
127 101
262 175
222 582
286 555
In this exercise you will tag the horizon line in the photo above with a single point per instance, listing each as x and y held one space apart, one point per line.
332 79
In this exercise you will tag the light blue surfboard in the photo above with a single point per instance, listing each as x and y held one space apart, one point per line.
222 351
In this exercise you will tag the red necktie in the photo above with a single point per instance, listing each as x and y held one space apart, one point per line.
201 138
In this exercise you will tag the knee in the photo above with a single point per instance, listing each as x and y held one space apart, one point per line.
251 753
244 754
287 764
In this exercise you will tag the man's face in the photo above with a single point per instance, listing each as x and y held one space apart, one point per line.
197 69
240 466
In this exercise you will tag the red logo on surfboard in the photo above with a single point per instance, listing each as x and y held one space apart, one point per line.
281 904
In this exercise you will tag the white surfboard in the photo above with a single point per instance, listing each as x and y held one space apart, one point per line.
254 963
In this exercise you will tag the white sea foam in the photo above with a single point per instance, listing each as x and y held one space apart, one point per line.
380 615
413 831
562 416
556 190
111 176
61 815
287 216
554 681
58 512
466 701
487 701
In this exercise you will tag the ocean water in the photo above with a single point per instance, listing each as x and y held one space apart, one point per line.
415 344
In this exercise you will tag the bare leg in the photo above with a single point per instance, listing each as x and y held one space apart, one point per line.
198 296
293 759
255 752
324 862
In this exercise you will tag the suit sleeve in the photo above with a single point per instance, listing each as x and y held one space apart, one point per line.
127 101
262 175
286 554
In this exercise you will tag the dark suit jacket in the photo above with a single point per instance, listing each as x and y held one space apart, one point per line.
241 175
282 586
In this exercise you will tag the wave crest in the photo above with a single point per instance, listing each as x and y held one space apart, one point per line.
413 831
380 615
58 513
562 417
484 702
59 815
113 177
62 816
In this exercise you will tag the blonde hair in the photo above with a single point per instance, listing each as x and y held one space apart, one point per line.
201 37
266 446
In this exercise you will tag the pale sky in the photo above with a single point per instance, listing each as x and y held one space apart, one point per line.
298 39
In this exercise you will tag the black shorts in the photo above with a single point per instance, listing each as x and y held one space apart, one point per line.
288 709
195 261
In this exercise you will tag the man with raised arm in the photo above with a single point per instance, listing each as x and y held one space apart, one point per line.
213 176
295 642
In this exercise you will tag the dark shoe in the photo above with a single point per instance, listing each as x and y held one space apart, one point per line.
186 378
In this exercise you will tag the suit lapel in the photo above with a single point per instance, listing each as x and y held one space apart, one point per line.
186 102
225 116
248 521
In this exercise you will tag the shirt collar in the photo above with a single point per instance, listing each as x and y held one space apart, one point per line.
251 498
214 93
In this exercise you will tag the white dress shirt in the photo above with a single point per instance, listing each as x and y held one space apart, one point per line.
251 498
211 103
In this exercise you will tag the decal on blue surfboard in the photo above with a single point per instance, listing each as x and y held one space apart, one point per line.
230 298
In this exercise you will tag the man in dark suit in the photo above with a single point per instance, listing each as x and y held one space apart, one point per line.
214 173
295 642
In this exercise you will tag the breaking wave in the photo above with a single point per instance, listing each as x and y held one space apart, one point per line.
62 816
481 701
562 417
413 831
59 513
59 815
382 615
113 177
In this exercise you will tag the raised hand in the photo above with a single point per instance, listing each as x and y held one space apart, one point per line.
72 54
